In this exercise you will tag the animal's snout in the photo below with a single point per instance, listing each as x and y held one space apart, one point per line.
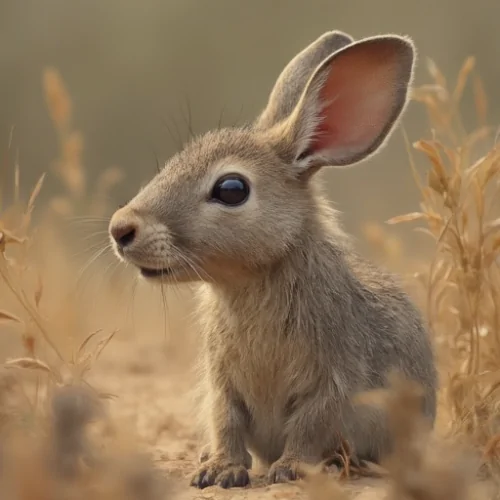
123 229
123 233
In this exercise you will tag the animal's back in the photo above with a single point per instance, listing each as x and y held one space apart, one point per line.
396 334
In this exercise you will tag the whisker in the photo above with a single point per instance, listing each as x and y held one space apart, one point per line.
131 304
183 142
190 265
158 167
94 234
221 116
86 219
177 286
103 277
164 309
189 118
93 259
95 246
167 327
195 265
155 154
236 122
178 142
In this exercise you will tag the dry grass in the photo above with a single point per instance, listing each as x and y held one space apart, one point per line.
54 427
54 424
460 286
462 283
422 466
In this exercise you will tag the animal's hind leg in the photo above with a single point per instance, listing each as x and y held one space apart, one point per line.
369 436
309 437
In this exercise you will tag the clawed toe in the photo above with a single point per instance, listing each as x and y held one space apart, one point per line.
233 478
222 474
284 471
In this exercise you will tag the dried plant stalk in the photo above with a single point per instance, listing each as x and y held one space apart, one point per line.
462 282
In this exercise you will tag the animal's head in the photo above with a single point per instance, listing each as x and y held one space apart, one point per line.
236 200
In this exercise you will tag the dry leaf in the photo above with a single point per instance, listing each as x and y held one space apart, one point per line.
407 217
35 193
463 75
481 101
30 364
57 98
38 291
436 73
86 341
7 316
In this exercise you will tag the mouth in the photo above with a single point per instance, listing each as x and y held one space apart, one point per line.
156 273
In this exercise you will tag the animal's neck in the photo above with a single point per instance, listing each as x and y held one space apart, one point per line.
314 261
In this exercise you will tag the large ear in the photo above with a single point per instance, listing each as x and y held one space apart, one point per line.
350 104
293 79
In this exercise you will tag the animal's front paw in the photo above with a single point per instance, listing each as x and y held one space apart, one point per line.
284 470
221 472
205 455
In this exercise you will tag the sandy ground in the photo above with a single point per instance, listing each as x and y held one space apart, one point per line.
153 399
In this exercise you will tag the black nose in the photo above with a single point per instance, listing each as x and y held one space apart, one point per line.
123 233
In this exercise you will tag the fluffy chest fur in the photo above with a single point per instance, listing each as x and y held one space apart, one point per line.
316 332
259 348
326 320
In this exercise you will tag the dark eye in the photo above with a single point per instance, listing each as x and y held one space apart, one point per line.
231 190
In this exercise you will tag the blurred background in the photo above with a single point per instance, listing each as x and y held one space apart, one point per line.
140 77
140 74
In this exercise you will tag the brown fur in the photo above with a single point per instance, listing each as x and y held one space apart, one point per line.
294 322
